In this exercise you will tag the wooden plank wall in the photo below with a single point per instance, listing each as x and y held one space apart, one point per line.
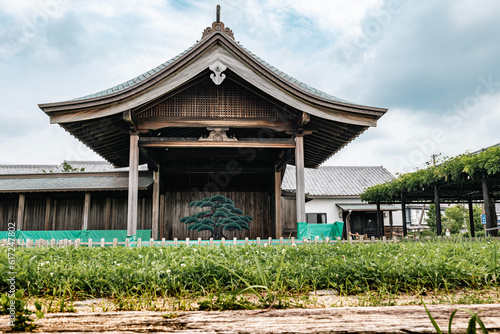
67 213
8 213
175 205
288 217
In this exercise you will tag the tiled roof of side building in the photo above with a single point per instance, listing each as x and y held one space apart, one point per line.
291 80
26 169
337 180
83 166
81 182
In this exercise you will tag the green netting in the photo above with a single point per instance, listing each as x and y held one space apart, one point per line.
310 231
83 235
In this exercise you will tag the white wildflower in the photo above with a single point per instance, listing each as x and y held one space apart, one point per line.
183 265
51 274
169 271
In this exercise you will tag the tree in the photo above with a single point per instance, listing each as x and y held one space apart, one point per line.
219 214
457 218
431 218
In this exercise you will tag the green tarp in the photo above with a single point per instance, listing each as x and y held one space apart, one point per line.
83 235
310 231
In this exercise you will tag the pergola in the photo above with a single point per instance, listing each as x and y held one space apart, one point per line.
214 118
468 178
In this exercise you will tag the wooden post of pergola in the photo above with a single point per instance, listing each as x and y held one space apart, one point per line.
437 205
391 223
403 213
471 217
299 177
156 204
380 221
488 212
133 184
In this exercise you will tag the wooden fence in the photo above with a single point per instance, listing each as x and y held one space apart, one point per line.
188 242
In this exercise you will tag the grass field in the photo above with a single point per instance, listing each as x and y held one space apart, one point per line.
225 277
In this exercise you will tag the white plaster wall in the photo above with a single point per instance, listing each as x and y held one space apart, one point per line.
328 206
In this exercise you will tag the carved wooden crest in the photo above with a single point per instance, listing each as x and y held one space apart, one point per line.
217 134
217 77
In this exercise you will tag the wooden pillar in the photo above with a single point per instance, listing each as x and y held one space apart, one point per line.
107 214
471 217
277 205
156 204
20 211
437 205
488 212
86 211
299 177
47 214
380 220
391 223
133 184
403 213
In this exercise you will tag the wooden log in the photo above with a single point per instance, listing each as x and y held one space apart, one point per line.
359 320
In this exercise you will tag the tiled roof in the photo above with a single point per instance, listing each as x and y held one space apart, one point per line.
132 82
77 182
337 181
26 169
88 167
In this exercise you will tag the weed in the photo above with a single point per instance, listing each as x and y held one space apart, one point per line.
471 329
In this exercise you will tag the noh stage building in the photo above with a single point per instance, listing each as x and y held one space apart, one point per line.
215 120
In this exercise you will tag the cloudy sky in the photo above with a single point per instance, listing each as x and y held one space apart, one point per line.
434 64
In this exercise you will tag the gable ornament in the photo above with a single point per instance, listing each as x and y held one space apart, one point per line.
217 77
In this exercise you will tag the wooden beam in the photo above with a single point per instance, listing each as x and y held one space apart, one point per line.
47 214
277 205
156 204
471 217
299 177
156 123
158 142
86 211
133 185
20 211
284 160
131 120
437 205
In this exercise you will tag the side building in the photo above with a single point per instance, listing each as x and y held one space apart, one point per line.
333 194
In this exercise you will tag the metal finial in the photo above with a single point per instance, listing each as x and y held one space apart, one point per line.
217 19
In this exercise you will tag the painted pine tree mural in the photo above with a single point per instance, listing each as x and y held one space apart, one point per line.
218 215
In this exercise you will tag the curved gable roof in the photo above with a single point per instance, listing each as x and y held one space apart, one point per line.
217 46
